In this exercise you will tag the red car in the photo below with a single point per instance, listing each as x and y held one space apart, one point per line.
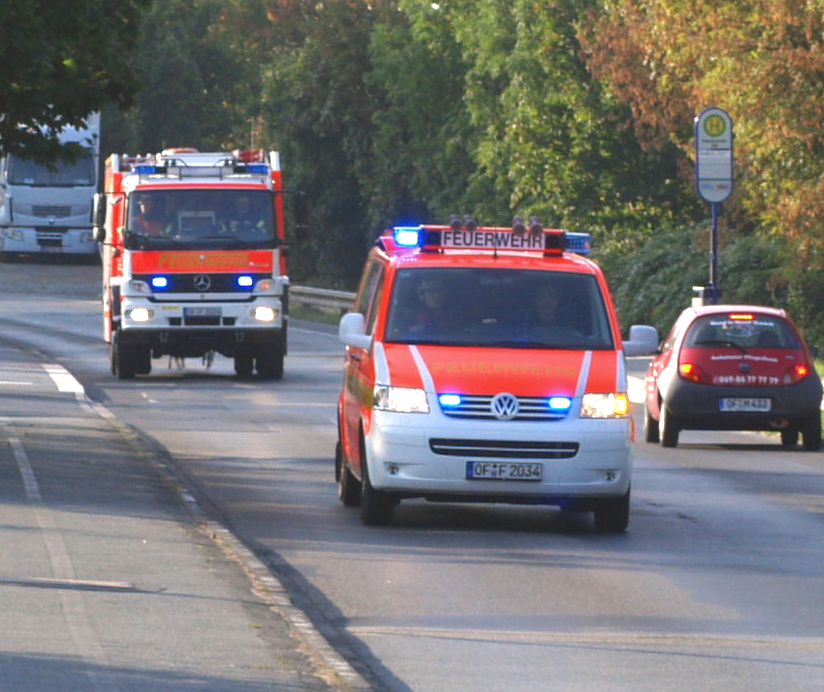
733 367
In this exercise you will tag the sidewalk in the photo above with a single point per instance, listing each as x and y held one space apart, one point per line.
108 582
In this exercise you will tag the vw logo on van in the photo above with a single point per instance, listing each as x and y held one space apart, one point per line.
504 406
202 282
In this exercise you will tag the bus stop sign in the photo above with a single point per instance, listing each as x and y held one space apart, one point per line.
713 155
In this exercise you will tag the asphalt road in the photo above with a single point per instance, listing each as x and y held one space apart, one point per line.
715 586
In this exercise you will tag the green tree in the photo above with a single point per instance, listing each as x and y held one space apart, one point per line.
550 139
196 88
317 112
61 60
765 65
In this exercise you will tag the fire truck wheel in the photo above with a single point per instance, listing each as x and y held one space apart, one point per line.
124 361
269 363
142 356
244 364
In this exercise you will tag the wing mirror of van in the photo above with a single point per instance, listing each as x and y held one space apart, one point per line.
643 340
352 331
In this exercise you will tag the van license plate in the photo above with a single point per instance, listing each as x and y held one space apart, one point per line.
744 404
503 471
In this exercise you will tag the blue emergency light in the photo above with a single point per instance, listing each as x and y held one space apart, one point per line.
145 169
245 281
579 243
449 400
160 282
559 403
257 168
408 236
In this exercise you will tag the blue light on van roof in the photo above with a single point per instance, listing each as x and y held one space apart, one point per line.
449 400
408 236
559 403
256 168
160 282
145 169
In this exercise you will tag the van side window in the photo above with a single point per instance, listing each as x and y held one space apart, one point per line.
369 294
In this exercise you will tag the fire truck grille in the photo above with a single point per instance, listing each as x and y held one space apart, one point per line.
202 321
201 283
508 449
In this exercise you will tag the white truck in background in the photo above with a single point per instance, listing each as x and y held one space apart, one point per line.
49 210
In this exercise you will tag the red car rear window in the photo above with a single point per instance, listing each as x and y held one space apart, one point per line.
741 330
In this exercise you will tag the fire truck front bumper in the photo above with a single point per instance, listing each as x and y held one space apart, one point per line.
177 327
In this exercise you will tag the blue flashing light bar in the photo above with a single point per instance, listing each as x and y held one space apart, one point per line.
579 243
145 169
408 236
245 281
260 168
160 282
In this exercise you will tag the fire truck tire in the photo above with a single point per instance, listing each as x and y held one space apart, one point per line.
244 364
124 360
142 356
269 362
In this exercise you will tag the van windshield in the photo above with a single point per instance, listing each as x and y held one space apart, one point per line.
503 308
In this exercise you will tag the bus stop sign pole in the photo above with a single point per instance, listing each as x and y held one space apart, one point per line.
713 174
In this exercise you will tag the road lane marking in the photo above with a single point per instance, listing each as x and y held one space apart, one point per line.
74 607
63 379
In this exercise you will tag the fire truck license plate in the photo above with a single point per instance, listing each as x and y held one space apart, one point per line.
503 471
201 311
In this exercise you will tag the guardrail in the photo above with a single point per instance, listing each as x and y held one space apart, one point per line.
322 298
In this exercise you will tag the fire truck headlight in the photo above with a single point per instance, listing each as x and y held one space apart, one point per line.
13 234
263 313
610 405
400 399
140 314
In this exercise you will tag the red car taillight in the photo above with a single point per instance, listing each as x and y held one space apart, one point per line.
692 373
796 373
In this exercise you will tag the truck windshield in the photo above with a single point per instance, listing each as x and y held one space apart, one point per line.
79 173
498 308
201 219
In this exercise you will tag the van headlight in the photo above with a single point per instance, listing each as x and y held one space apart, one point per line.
609 405
400 399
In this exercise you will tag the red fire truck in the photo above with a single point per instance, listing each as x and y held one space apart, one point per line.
193 253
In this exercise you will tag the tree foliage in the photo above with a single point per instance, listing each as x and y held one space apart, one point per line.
61 61
578 111
763 61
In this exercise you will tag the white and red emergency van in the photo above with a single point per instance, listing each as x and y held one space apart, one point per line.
193 253
485 365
